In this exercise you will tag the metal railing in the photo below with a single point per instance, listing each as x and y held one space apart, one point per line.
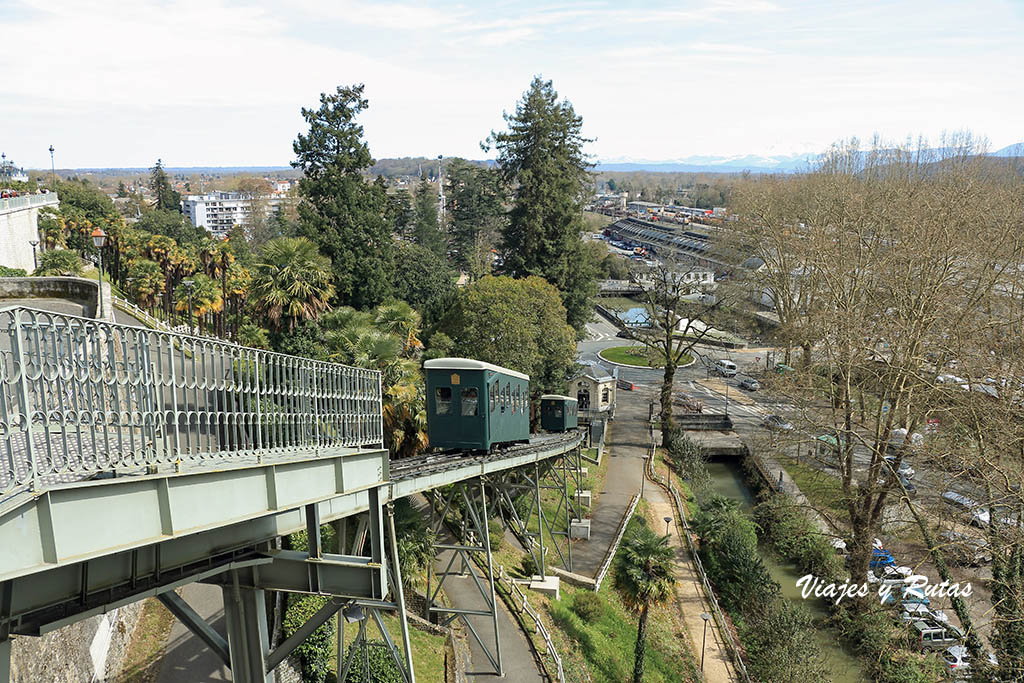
141 314
521 602
716 610
80 397
28 201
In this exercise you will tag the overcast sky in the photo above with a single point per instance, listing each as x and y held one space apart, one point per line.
212 82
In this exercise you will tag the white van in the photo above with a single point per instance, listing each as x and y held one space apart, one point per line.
725 367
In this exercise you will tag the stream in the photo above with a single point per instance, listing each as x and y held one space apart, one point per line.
727 480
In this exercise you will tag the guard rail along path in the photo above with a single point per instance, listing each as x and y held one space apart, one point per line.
606 565
524 605
81 397
716 610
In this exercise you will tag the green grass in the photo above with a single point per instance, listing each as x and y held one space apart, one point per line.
821 489
606 643
427 649
635 355
618 303
596 222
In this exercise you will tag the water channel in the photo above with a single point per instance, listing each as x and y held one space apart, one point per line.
727 480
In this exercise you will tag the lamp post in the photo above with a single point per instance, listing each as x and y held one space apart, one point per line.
35 262
53 174
706 617
189 284
668 520
99 238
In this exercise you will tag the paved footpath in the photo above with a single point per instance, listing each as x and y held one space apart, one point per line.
690 597
626 448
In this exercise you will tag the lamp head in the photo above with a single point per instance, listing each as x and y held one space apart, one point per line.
99 238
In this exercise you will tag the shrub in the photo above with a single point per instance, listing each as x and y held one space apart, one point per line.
12 272
529 566
496 534
59 262
314 653
780 644
793 535
688 459
589 606
382 665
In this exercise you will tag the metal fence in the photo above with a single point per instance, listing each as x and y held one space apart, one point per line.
80 397
523 605
28 201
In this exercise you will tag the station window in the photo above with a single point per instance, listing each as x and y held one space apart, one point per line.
469 403
605 395
443 400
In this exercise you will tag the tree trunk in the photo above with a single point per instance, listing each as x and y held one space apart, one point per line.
641 646
667 423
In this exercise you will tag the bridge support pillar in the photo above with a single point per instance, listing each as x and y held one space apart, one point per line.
248 639
5 661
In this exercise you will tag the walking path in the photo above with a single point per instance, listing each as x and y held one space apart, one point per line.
626 448
187 659
690 597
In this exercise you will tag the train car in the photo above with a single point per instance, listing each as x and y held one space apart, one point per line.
474 405
559 413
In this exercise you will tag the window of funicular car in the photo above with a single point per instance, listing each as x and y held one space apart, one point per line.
558 411
495 388
443 400
469 402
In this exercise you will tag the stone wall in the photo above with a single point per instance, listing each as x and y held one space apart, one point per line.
19 225
90 650
77 289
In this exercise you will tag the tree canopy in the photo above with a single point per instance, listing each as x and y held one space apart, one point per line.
518 324
348 218
164 195
541 157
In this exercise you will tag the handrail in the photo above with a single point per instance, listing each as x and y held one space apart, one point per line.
141 314
515 590
79 397
28 201
716 610
606 565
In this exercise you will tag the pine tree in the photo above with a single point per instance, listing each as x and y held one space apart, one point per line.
426 229
348 218
541 156
475 203
164 195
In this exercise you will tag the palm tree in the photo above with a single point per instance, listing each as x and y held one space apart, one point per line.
292 282
205 297
402 320
644 576
147 282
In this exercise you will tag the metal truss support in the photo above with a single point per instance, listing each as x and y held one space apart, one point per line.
248 640
562 477
464 508
177 606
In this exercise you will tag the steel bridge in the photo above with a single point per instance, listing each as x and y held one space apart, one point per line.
134 461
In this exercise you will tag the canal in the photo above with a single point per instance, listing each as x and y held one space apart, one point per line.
727 481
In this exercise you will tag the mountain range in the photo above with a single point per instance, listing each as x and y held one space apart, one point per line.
782 163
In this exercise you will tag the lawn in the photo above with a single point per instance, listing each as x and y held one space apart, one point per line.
145 652
427 649
618 303
635 355
596 222
821 489
606 639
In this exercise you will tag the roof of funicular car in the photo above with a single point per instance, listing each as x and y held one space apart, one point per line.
469 364
558 397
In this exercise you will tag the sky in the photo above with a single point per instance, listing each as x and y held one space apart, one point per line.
222 83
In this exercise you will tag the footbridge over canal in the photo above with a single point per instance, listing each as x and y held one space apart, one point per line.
134 461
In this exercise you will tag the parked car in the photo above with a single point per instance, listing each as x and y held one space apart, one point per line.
777 422
904 470
750 384
936 635
916 611
958 661
782 368
965 550
907 596
905 483
889 575
881 558
979 514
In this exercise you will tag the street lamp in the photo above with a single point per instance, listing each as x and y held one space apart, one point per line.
99 238
53 175
706 617
35 262
189 284
668 520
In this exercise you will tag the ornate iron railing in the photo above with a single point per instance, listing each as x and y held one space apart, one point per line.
81 397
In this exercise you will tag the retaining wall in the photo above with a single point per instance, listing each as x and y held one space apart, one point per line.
77 289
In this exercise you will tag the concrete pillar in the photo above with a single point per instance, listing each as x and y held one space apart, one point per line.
248 641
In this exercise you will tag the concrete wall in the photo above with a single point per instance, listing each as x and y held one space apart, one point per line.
19 223
77 289
90 650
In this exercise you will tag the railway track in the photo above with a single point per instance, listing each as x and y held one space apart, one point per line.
451 459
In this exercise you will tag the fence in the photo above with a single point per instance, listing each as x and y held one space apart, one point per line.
520 599
716 610
140 314
28 201
614 546
79 397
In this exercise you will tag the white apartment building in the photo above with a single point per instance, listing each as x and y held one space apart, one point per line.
218 212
